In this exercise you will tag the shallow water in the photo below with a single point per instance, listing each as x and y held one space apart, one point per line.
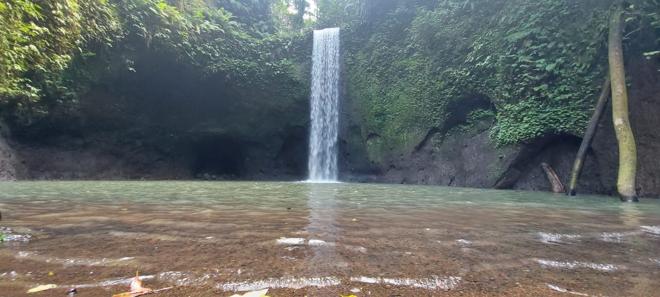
302 239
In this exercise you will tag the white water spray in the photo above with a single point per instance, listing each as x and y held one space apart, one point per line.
322 163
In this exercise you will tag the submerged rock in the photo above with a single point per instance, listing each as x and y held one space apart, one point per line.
10 167
8 235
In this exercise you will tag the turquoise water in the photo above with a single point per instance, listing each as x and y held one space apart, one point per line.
327 239
377 195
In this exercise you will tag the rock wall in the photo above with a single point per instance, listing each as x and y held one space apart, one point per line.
473 160
97 158
10 167
644 96
114 156
7 161
470 159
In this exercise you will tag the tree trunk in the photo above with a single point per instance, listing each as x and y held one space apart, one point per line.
555 182
624 135
588 136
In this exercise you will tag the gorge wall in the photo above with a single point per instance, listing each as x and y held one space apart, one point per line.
467 156
458 93
10 166
435 97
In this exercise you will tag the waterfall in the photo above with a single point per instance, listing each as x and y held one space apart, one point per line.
322 163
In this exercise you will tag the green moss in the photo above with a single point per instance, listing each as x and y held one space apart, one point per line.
53 52
540 63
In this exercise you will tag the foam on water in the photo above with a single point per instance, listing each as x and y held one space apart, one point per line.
576 265
188 279
432 283
655 230
554 238
113 282
33 256
562 290
281 283
318 242
614 237
463 242
291 241
320 182
180 278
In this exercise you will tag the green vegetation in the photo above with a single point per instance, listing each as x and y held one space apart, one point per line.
38 41
539 64
53 52
413 67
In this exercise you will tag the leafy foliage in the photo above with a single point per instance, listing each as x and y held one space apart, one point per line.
540 64
54 52
38 40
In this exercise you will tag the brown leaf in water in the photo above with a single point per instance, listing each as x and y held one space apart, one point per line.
261 293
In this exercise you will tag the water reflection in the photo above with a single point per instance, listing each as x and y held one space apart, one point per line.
630 215
322 229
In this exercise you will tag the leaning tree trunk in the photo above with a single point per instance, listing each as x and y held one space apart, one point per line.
553 178
589 136
624 135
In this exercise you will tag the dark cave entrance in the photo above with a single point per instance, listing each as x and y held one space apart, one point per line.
460 109
215 156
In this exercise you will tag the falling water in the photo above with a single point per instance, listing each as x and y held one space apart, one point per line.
322 163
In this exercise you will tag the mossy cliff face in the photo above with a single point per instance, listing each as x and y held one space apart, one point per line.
535 65
478 93
154 88
451 92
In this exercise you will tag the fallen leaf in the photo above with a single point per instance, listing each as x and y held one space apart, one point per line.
261 293
348 295
134 293
136 284
137 289
42 288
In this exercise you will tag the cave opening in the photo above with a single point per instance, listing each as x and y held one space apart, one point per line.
460 109
218 157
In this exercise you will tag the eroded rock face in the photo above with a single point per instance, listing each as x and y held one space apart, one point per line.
458 160
7 170
10 167
113 156
102 157
471 159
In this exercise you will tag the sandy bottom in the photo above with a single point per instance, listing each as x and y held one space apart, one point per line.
326 246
